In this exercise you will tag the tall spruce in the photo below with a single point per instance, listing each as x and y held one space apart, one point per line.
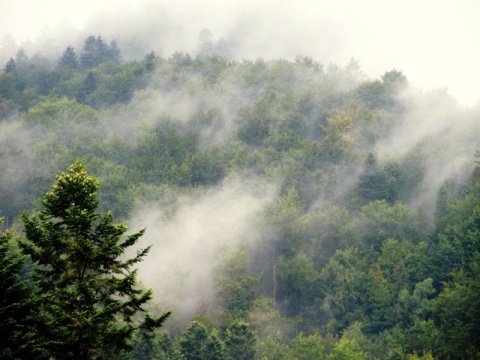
90 304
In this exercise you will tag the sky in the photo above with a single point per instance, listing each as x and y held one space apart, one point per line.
434 43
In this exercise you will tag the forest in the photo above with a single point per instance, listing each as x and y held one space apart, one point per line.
288 209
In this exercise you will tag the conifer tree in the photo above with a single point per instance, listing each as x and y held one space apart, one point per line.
90 305
10 66
16 303
69 59
198 343
240 341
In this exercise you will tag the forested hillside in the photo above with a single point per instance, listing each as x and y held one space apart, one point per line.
296 210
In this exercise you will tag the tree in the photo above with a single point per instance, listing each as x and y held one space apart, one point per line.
90 305
113 52
87 88
380 183
338 139
255 123
69 59
236 285
96 51
381 221
16 303
394 77
149 61
88 57
205 43
10 66
197 343
457 314
347 350
308 347
297 280
240 341
21 57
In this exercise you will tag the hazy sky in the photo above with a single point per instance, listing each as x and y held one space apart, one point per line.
435 43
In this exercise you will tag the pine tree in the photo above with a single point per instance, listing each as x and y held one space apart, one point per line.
89 300
69 59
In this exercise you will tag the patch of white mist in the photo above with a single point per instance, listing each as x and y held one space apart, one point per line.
189 239
437 130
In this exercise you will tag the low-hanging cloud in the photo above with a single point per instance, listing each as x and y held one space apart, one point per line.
188 241
411 36
440 132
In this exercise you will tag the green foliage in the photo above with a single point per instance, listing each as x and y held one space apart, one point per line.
377 183
457 314
255 124
381 221
345 284
153 345
346 350
286 218
271 349
308 347
69 59
240 341
197 343
164 155
17 304
60 112
236 285
96 52
267 322
10 66
338 139
297 285
88 295
418 304
457 234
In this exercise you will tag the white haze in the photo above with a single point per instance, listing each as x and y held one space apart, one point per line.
437 127
435 43
189 241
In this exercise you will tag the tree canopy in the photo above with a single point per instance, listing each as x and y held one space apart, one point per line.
330 215
86 293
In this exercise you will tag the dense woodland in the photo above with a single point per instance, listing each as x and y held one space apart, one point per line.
367 248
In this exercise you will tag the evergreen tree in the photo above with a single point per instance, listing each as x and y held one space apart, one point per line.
10 66
89 302
88 86
113 52
149 61
21 57
16 303
198 344
380 183
96 51
240 341
88 57
69 59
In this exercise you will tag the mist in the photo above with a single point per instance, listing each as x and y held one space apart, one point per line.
433 42
192 236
